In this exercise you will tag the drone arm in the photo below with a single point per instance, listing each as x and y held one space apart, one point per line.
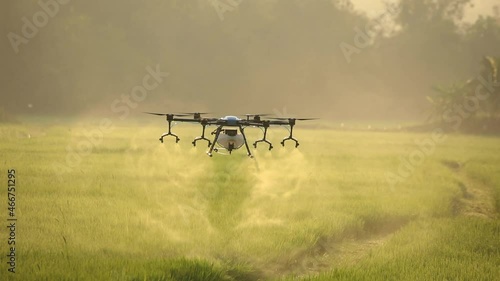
290 137
289 122
169 133
265 126
204 124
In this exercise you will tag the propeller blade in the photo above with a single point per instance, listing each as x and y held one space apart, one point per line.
306 119
154 113
278 122
298 119
192 113
165 114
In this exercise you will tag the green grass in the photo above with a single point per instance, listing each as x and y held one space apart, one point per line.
434 249
135 209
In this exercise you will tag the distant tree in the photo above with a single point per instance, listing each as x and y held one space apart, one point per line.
482 91
483 37
418 14
489 78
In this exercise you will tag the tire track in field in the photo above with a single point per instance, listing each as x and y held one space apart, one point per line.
329 251
476 199
335 252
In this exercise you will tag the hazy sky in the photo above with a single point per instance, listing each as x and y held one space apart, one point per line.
375 7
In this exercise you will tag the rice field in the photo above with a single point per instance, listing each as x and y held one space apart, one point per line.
99 203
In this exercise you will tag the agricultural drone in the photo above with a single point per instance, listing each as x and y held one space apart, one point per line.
230 130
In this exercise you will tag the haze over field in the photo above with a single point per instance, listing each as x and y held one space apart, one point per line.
312 57
399 179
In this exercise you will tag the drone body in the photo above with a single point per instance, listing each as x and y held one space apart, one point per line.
230 131
229 138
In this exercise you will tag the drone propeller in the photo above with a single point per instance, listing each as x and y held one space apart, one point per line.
291 118
193 113
196 115
165 114
256 117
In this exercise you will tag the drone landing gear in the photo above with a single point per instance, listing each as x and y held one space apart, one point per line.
290 137
245 140
266 126
204 124
169 133
216 133
263 140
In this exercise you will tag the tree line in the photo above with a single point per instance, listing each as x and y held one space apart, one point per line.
312 57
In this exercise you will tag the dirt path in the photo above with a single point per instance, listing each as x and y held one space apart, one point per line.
328 253
477 199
